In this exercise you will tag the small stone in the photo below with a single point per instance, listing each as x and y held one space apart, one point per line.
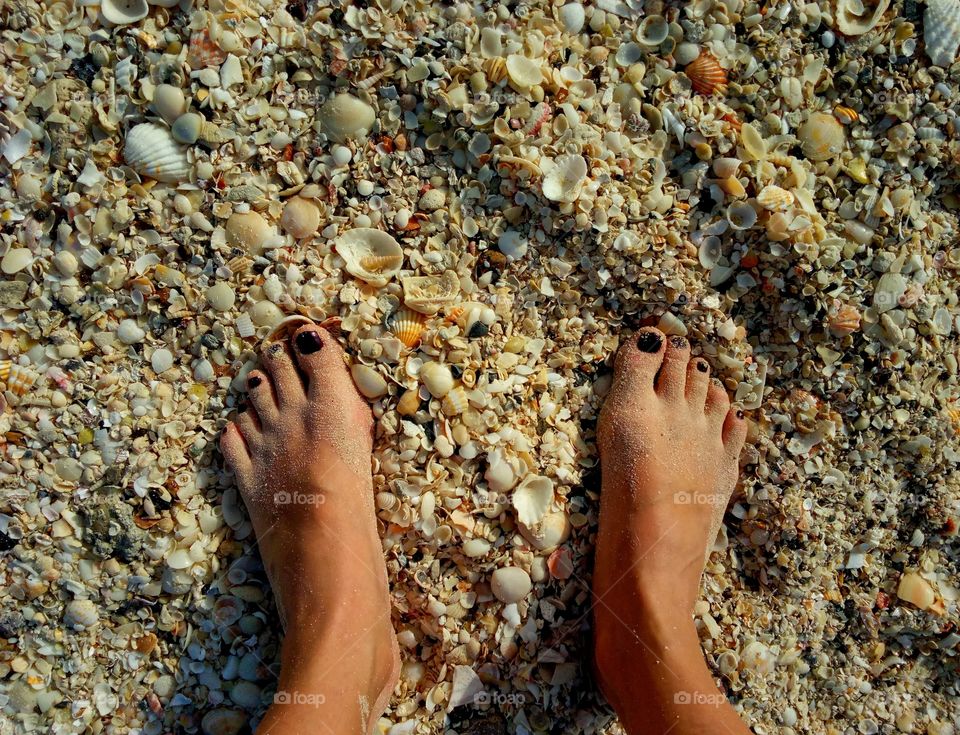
223 722
129 332
187 128
169 102
81 614
915 589
161 360
69 469
221 296
245 694
510 584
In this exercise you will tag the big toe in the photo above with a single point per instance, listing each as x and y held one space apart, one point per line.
319 357
639 359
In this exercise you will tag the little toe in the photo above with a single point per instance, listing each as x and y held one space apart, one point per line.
734 431
639 359
260 394
235 451
287 385
672 380
698 380
718 402
318 356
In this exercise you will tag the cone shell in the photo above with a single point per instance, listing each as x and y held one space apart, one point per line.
941 31
706 75
407 325
370 254
18 378
150 150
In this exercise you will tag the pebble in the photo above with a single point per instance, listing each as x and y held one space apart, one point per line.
223 722
365 188
221 296
341 155
510 584
129 332
187 128
81 613
69 469
245 694
169 102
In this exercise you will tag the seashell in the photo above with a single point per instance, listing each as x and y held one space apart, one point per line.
523 72
428 294
407 325
344 116
169 102
916 590
532 499
15 260
846 115
17 378
475 319
941 31
436 378
549 532
822 137
125 74
283 330
150 150
124 12
244 326
565 178
186 129
221 296
572 16
370 254
495 68
202 52
856 17
726 167
709 252
774 198
300 218
409 403
652 31
248 231
368 381
455 402
706 75
500 475
513 244
741 216
843 319
510 584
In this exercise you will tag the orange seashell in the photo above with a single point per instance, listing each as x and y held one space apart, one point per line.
407 325
203 52
560 564
843 319
17 378
706 75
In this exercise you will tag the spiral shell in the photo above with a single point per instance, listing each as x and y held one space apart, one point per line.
150 150
407 325
18 378
371 255
428 294
706 75
941 31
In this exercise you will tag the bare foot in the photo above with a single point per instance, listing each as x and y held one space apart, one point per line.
669 446
301 454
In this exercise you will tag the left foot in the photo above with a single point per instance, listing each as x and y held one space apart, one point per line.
301 452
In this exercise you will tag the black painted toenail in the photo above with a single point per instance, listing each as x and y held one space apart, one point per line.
241 408
740 415
702 366
254 381
678 342
649 341
308 342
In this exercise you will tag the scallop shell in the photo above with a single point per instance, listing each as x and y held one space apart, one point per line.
774 198
124 12
844 319
856 17
941 31
455 402
407 325
18 378
565 178
428 294
706 75
371 255
822 137
532 499
523 72
150 150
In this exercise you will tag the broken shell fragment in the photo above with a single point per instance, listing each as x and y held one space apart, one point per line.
370 254
547 534
124 12
248 231
151 150
822 137
523 72
532 499
741 216
428 294
300 218
856 17
344 116
368 381
476 319
565 178
916 590
17 378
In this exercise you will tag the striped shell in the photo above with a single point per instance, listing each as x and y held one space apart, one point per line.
428 294
844 319
407 325
244 326
496 69
706 75
455 402
18 378
150 150
941 31
370 254
774 198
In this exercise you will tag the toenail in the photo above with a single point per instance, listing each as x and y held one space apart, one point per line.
678 342
308 342
254 381
740 415
702 366
241 408
649 341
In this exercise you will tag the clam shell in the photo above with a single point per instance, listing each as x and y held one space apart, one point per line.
572 16
300 218
407 325
124 12
941 31
774 198
653 30
248 231
370 254
548 533
856 17
706 75
169 102
18 378
344 116
523 72
532 499
150 150
565 178
284 329
822 137
741 216
368 381
428 294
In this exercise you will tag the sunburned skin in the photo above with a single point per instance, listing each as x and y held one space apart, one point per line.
301 453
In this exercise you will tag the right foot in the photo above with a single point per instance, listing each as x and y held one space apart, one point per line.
301 454
669 445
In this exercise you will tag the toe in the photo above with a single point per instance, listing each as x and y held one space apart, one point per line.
698 380
260 394
250 428
672 381
734 431
235 451
718 403
287 385
318 355
639 359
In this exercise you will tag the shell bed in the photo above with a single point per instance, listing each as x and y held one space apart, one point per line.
776 181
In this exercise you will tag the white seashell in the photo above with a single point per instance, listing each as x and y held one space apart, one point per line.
476 319
513 244
248 231
81 614
371 255
124 12
533 498
436 378
774 198
572 16
710 252
523 72
428 294
169 102
475 547
369 382
652 31
125 74
941 31
724 168
344 116
564 180
822 137
16 260
221 296
186 128
551 531
856 17
244 326
510 584
150 150
741 216
499 474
